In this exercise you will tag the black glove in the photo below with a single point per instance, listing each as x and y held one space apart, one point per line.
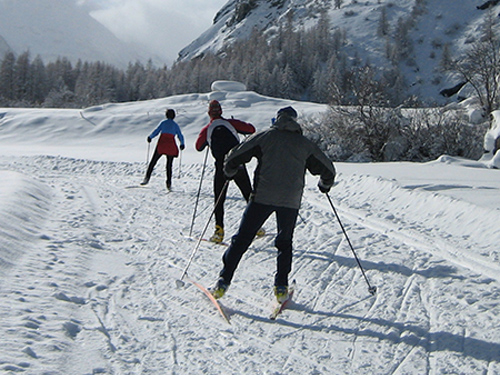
182 147
230 174
149 140
324 188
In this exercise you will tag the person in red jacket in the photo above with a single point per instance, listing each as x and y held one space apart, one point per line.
166 145
221 135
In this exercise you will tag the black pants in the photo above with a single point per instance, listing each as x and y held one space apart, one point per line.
241 179
154 159
254 217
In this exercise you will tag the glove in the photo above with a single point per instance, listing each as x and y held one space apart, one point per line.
229 177
149 140
182 147
230 174
324 188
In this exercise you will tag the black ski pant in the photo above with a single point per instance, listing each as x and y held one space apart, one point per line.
154 159
241 179
254 217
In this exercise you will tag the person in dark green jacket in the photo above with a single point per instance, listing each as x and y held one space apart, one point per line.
283 155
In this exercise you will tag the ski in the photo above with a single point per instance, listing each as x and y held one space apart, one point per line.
278 309
207 240
215 243
216 303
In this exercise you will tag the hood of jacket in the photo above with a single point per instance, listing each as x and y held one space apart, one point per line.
287 123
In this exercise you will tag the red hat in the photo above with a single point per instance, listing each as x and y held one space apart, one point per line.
214 109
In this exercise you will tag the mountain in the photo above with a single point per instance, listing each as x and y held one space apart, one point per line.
4 47
373 30
59 28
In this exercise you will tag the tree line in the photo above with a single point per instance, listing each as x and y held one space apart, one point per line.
300 64
294 64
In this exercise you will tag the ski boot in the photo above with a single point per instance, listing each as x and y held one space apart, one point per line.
218 235
219 289
145 181
169 185
281 293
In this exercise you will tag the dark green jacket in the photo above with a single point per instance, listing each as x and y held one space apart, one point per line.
283 155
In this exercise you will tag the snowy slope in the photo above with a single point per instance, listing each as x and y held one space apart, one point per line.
60 28
88 264
436 24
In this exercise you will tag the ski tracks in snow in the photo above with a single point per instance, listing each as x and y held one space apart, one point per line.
423 273
106 260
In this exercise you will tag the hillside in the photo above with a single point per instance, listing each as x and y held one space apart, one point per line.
422 28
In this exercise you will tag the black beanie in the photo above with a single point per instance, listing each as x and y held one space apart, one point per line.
288 112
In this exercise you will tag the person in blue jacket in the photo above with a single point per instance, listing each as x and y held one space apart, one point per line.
166 145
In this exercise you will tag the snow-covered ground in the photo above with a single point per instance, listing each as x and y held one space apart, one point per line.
89 260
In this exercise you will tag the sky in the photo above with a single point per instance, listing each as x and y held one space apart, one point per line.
173 23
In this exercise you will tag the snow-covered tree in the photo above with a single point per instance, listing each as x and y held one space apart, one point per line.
480 65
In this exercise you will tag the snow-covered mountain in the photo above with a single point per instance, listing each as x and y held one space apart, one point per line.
60 28
431 25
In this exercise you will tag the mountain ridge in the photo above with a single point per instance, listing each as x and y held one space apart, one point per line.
427 27
68 32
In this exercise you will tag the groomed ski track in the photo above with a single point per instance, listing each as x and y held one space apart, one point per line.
92 276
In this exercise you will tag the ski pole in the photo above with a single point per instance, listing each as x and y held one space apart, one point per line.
302 219
180 282
180 163
147 155
198 195
371 289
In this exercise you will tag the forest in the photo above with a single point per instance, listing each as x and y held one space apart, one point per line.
309 65
294 64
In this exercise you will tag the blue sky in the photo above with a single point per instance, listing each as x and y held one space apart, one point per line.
165 26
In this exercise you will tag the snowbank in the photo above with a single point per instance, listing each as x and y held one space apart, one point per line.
228 86
492 142
24 205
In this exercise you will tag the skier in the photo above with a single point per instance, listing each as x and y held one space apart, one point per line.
166 145
221 135
283 155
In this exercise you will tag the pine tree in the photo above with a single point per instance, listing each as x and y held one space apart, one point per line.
383 23
7 80
22 77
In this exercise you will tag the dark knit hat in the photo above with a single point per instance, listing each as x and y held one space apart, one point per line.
287 112
170 113
214 109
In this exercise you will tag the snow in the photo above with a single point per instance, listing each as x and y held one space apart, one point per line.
492 159
435 24
89 260
228 86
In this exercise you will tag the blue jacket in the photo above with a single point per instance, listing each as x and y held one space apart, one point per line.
168 126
